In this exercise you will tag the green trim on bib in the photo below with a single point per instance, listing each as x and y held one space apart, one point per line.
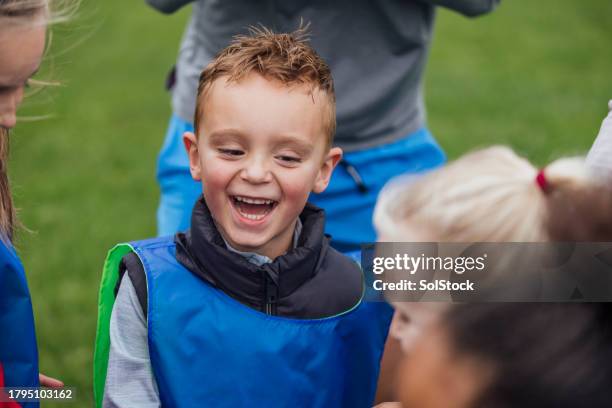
106 300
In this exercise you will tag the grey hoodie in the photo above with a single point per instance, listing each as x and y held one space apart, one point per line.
377 51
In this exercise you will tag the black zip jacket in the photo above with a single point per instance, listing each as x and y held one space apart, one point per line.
310 281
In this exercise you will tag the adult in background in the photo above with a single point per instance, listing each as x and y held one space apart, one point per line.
377 51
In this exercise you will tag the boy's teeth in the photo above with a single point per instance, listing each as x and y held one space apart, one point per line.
253 208
253 216
253 200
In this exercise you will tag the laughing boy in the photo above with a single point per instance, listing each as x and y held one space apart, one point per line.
250 306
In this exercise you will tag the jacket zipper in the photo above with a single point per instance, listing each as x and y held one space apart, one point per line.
271 296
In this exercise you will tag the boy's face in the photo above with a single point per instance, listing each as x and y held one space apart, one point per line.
261 150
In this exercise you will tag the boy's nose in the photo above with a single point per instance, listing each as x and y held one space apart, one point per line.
256 171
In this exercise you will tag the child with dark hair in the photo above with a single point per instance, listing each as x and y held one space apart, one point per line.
507 355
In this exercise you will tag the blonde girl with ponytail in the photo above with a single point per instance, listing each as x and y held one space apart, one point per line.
468 355
493 195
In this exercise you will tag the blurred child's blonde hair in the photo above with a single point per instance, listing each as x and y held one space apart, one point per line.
23 8
54 10
287 58
23 12
492 195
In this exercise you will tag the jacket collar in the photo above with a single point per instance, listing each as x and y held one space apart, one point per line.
202 250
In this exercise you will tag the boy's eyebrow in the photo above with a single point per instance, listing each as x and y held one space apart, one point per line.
299 145
219 136
224 135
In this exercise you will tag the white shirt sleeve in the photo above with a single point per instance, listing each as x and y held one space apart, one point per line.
599 159
129 380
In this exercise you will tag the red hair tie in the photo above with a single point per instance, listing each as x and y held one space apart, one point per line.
541 180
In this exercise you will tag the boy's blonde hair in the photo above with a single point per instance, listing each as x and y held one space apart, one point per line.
287 58
492 195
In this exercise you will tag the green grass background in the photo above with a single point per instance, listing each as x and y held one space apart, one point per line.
535 74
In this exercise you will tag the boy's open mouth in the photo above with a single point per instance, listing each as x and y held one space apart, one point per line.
253 208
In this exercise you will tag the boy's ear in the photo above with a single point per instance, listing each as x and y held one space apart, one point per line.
329 163
191 145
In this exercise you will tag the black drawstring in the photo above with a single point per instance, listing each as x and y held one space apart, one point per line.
352 171
171 79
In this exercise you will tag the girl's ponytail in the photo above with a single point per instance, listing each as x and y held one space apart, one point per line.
493 195
578 206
